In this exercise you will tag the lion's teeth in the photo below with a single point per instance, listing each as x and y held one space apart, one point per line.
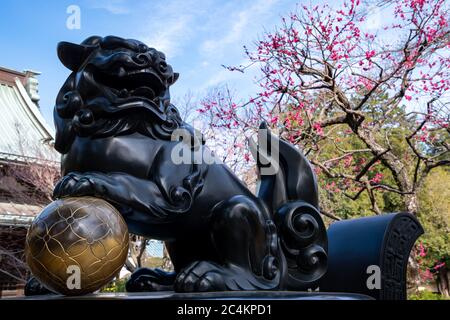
139 71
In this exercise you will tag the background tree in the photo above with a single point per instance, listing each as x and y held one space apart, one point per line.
369 109
26 182
434 213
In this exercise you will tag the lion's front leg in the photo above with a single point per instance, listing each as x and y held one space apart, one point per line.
247 244
126 191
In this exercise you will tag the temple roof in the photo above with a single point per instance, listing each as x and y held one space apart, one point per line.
25 137
23 130
14 214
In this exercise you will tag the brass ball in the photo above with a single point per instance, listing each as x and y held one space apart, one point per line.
77 245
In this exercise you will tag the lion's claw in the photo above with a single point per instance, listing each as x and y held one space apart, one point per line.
201 276
73 184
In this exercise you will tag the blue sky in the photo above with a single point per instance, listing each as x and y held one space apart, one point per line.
198 36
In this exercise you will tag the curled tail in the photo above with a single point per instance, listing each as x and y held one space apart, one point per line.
288 187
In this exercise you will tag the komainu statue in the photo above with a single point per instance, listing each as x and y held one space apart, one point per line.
118 133
115 127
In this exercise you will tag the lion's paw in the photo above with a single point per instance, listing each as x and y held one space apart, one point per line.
144 280
73 184
201 276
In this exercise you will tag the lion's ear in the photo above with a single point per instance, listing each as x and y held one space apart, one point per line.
73 55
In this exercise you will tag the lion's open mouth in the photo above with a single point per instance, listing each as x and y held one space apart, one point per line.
136 83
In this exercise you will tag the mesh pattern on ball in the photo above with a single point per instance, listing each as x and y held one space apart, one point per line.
86 232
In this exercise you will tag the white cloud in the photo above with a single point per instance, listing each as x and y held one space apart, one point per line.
223 76
112 6
171 25
246 22
225 48
169 38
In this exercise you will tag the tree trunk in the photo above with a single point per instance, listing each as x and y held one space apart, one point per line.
142 247
413 272
411 203
442 281
413 276
129 264
167 263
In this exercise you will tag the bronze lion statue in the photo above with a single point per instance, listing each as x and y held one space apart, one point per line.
115 127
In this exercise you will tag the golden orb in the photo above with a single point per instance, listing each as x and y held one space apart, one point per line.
77 245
